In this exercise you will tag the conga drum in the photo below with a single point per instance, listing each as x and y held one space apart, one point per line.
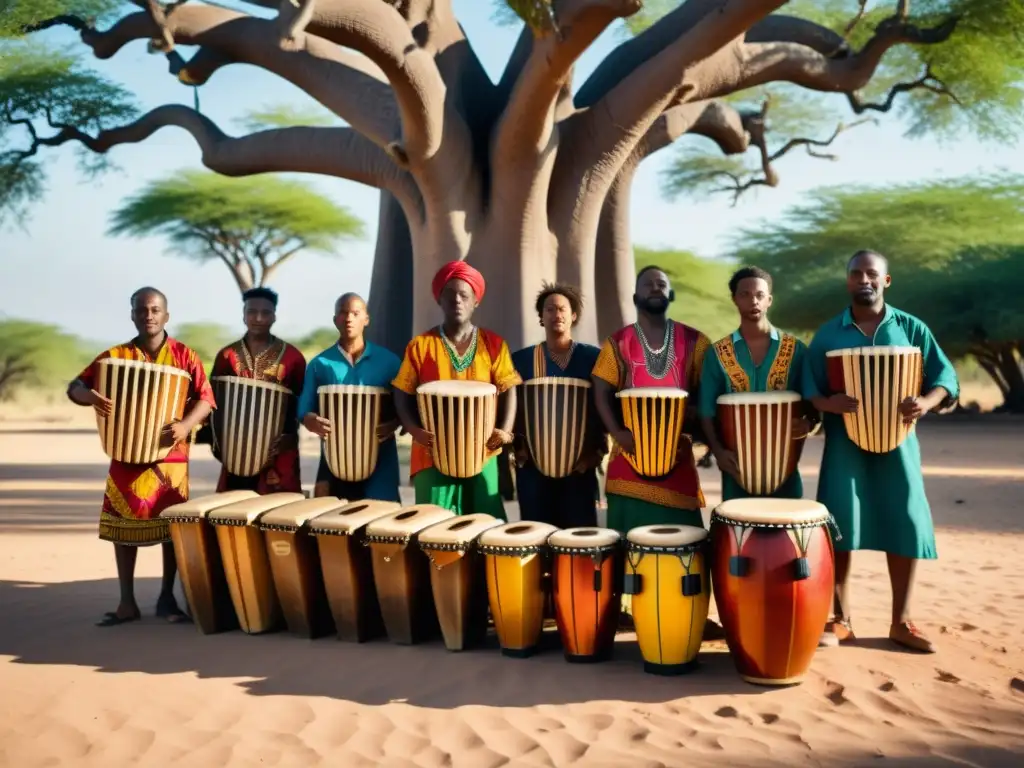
243 551
145 398
461 417
667 576
758 428
654 416
587 583
401 572
773 579
295 564
250 415
515 556
347 567
355 411
199 562
880 378
555 411
457 578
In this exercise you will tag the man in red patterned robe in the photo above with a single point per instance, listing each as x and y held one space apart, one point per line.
136 494
262 356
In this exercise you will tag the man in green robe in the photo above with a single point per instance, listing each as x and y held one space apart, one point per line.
878 499
755 357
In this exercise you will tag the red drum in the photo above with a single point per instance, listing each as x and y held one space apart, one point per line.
758 428
773 579
587 574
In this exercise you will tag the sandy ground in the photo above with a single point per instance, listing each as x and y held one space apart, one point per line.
151 694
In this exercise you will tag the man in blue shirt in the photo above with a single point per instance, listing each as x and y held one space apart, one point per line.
353 360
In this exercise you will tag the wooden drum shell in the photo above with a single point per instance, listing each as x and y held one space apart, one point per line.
250 415
669 622
586 583
757 427
555 415
516 558
880 378
145 398
654 416
772 617
461 416
355 411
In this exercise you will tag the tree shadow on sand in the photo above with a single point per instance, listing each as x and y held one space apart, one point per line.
54 624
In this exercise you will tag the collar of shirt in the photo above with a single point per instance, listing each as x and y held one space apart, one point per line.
848 320
367 354
737 337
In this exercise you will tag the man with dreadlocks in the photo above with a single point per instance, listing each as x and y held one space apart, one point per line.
570 501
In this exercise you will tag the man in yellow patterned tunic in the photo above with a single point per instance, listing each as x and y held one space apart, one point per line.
136 494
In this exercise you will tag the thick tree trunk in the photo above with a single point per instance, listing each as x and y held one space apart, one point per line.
391 285
614 262
1003 362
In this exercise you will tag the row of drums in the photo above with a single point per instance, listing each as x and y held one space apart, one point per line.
368 569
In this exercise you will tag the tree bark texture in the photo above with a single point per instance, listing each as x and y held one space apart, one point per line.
520 178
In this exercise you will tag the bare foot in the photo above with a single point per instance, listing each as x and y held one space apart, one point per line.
167 608
122 615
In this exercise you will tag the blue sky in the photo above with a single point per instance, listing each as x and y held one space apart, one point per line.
63 269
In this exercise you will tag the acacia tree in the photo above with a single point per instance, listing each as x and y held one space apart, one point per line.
956 250
252 225
521 176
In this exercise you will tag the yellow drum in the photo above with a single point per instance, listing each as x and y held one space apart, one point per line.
667 575
516 556
246 563
457 578
654 416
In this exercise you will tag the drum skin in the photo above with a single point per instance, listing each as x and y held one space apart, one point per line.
587 586
772 620
669 623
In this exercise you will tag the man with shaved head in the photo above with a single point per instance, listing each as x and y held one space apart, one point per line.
352 360
877 499
136 494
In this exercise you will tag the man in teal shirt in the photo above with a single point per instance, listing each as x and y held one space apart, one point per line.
353 360
754 358
877 499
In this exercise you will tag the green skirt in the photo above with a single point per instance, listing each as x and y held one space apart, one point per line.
463 496
625 513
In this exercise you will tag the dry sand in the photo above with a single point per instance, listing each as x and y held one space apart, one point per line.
152 694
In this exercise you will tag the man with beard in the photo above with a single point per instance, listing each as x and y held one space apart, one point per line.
878 499
262 356
136 494
456 350
352 360
566 502
653 352
754 358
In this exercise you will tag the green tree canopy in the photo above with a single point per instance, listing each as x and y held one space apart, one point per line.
207 339
37 355
251 224
956 251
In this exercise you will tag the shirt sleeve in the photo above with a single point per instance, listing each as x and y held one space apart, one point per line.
503 374
814 373
221 364
89 373
408 376
310 382
938 370
712 386
200 388
607 367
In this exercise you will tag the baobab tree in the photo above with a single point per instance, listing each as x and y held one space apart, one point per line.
522 176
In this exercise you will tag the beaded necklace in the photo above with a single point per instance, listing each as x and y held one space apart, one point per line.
561 359
658 361
259 364
459 363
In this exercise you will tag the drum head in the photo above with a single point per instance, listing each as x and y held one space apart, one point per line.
516 535
457 388
293 516
408 521
459 532
584 538
121 362
869 351
250 510
200 506
558 381
352 517
351 389
666 536
759 398
780 512
671 393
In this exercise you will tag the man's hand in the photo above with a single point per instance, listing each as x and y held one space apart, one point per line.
103 405
801 427
588 460
841 404
912 409
522 456
317 425
283 444
498 438
386 430
727 463
174 433
420 436
625 440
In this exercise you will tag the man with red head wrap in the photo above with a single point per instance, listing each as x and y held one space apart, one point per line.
456 350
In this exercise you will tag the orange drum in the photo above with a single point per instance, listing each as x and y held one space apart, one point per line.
773 579
758 428
587 580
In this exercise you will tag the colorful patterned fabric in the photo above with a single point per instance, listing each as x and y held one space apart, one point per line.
878 499
283 364
136 494
621 364
426 359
